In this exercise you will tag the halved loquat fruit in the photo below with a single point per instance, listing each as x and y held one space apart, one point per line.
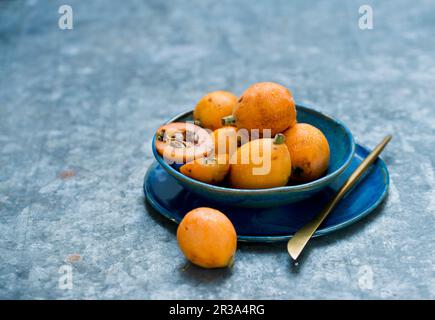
210 170
309 151
182 142
207 238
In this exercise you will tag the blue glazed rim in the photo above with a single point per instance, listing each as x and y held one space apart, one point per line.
284 189
246 238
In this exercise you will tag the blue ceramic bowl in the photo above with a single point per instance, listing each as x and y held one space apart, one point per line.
342 148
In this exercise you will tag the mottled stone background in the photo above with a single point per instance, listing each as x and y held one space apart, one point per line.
78 109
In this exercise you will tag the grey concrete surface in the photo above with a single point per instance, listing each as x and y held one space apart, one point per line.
78 109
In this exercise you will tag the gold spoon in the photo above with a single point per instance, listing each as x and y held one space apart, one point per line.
297 243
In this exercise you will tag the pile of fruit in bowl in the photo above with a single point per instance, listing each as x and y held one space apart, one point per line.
259 150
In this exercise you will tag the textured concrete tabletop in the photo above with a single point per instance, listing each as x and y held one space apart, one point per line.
78 109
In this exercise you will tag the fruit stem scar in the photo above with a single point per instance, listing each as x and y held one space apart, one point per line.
279 139
228 120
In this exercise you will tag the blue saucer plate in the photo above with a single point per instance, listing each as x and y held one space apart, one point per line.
169 198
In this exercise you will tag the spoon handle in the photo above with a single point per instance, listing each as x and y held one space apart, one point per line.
297 243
